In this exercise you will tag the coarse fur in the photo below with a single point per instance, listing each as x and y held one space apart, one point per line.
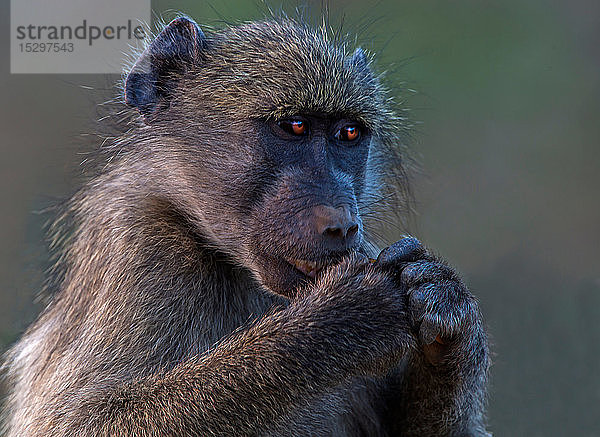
177 312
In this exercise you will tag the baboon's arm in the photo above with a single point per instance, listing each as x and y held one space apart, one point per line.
442 400
440 389
348 324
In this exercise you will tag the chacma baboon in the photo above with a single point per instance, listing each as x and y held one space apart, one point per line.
214 277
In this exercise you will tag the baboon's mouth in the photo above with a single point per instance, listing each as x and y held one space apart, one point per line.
308 268
285 275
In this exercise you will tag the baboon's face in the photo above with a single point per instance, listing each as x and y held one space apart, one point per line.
281 196
268 129
305 213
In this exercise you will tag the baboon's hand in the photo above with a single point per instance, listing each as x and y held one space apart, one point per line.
442 313
366 306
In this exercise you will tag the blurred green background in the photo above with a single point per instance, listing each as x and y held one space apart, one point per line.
507 99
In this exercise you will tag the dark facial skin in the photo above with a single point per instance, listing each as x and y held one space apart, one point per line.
320 163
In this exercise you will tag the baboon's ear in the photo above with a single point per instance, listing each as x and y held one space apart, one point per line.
154 74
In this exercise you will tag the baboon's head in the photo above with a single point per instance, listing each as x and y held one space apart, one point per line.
269 136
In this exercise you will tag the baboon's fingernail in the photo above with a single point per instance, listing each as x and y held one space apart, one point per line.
406 250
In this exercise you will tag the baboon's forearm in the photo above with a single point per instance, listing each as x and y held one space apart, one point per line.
444 400
245 384
250 380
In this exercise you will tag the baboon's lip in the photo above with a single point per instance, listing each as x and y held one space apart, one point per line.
308 268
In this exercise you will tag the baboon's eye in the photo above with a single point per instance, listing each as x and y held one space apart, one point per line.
293 127
350 132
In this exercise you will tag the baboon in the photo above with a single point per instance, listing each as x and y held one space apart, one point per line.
216 277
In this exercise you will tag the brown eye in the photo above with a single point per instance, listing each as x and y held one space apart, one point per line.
348 133
293 127
298 127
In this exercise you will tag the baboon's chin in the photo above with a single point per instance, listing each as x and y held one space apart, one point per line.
282 276
279 276
287 277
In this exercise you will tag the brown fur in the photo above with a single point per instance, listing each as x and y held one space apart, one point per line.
165 321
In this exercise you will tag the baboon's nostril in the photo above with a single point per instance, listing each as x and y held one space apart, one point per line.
352 230
334 232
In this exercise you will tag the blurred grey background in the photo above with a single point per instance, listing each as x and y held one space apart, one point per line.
507 99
